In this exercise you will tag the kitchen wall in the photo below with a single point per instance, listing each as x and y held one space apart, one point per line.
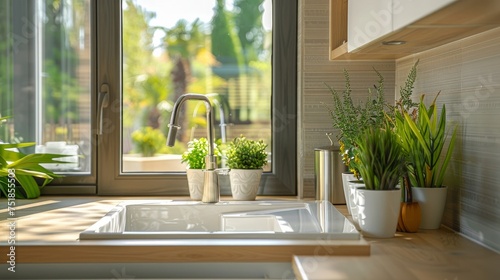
466 72
315 72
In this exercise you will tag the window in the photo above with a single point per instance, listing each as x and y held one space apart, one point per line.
219 49
94 72
45 82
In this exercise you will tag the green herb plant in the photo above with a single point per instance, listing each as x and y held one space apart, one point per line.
352 119
243 153
381 158
197 151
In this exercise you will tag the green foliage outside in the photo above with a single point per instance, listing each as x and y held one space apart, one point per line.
226 46
142 93
189 62
248 22
61 89
148 141
59 62
243 153
6 68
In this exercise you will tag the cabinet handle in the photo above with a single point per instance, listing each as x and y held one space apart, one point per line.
102 102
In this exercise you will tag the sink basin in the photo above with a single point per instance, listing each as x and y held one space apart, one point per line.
161 219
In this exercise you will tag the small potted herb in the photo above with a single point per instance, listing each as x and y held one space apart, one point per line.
246 159
194 157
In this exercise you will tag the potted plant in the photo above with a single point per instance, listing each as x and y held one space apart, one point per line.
195 157
424 138
150 152
245 158
410 212
380 163
19 171
352 119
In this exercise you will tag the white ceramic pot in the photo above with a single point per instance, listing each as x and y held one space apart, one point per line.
245 183
353 186
346 177
432 202
196 178
378 212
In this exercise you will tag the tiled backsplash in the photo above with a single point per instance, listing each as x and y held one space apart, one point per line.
315 73
467 75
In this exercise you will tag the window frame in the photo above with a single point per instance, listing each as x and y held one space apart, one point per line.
71 183
110 181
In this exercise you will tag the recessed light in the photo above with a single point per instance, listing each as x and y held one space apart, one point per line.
393 43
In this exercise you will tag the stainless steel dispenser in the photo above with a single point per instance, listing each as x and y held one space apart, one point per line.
328 169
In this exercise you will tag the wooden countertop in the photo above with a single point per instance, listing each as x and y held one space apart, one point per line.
47 230
428 254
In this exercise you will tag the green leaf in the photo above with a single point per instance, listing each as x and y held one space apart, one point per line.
34 161
29 186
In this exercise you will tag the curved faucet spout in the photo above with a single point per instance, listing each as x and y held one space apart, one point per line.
211 190
174 126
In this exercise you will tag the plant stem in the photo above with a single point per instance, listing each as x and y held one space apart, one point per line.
407 186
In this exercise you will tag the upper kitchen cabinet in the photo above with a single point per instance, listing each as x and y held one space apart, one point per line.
390 29
367 21
406 12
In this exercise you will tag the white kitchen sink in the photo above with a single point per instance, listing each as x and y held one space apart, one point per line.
161 219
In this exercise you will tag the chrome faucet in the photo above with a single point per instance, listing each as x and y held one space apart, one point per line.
211 189
223 124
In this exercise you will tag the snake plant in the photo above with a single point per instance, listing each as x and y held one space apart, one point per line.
423 137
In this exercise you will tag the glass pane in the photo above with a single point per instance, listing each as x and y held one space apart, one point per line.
218 48
45 79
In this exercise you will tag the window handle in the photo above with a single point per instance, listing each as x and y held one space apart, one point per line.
102 102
